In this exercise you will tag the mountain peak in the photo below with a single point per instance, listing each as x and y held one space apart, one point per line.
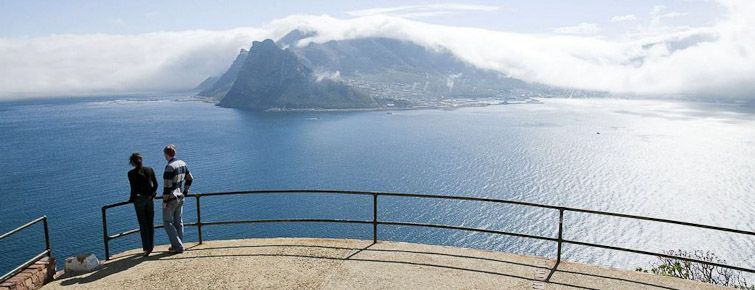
267 43
217 87
272 77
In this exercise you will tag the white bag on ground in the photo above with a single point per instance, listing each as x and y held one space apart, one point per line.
82 263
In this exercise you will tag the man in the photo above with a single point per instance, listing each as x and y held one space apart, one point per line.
177 180
143 190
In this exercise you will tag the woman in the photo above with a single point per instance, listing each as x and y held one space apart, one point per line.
143 191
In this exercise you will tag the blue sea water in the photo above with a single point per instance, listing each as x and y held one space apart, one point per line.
687 161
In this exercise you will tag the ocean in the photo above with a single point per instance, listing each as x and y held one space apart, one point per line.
686 161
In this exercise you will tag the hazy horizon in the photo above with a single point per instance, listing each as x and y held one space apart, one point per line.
675 48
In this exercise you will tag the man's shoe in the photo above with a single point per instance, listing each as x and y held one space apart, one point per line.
172 251
146 253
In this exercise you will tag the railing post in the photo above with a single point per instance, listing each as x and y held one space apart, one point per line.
560 233
105 237
199 219
374 216
47 236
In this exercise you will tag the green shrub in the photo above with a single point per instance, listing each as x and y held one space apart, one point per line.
698 271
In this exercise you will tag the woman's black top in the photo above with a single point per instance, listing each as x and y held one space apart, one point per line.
143 182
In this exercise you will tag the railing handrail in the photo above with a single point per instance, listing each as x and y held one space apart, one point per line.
375 221
46 252
470 198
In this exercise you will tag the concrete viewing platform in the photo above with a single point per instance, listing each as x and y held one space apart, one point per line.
308 263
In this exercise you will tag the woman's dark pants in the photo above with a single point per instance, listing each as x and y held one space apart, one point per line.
145 213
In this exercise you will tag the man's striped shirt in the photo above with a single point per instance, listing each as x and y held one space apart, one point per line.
176 175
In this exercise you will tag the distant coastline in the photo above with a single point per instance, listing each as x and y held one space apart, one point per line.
448 104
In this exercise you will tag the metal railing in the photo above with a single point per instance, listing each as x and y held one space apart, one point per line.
46 252
375 222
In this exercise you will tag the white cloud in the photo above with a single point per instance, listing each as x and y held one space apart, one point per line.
424 10
582 28
104 64
707 61
718 60
673 14
335 76
657 15
624 18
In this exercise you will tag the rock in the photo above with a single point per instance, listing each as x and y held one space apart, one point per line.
82 263
217 87
274 78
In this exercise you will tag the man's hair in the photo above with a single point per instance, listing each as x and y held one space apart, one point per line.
170 150
135 159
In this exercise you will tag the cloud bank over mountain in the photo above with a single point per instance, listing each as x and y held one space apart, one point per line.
652 60
94 64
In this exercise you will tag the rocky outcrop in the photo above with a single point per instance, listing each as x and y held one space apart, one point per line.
275 78
218 87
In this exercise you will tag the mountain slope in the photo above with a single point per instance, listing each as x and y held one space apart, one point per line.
223 84
399 69
272 78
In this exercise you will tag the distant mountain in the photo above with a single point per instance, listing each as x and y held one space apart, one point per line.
365 72
219 86
206 85
274 78
389 68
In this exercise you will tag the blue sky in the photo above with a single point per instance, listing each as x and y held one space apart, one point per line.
660 48
38 18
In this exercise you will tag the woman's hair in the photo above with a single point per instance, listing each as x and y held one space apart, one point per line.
135 159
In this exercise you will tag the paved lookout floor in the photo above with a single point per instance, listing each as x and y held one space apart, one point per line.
304 263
